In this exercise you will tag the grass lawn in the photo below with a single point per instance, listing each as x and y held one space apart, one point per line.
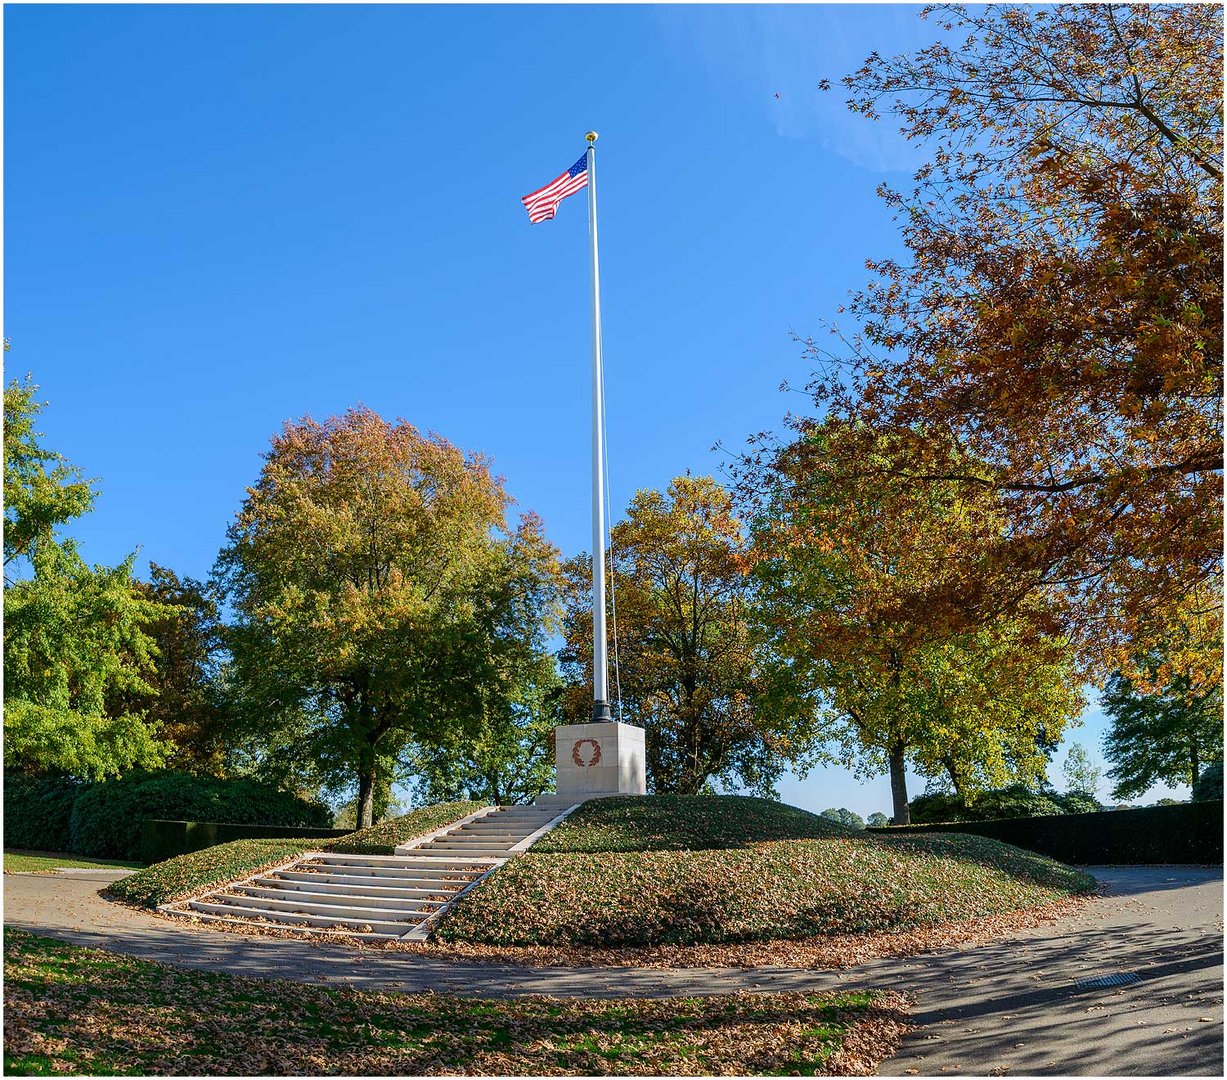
75 1010
706 870
18 861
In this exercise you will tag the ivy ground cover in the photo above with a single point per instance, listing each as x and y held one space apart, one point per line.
70 1010
716 870
210 868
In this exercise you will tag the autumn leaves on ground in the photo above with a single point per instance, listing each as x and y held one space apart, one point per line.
732 875
153 1019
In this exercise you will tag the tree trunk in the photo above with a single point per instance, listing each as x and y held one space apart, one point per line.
898 786
366 798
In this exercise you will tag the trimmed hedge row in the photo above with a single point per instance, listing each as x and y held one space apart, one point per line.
166 839
37 810
105 819
1184 833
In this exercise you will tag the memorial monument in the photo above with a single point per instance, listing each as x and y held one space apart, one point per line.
603 757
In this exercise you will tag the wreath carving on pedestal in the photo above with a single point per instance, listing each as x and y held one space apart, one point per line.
577 757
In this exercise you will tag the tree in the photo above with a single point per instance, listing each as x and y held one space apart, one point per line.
75 636
1209 786
1166 737
877 820
509 760
1080 775
42 491
364 571
690 673
861 594
1059 314
850 819
186 703
509 756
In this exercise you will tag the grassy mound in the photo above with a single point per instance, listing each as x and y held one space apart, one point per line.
198 871
653 871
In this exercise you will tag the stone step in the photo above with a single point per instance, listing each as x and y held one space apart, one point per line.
356 860
488 851
373 927
337 910
311 931
351 899
358 886
461 840
406 863
516 834
418 866
421 880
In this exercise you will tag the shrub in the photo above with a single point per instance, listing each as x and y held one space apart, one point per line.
1184 833
37 811
1209 786
107 818
1014 801
161 840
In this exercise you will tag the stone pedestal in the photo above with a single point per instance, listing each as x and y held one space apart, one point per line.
596 760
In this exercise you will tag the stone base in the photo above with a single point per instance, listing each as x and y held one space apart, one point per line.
597 760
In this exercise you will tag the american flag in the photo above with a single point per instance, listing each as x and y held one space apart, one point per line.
542 204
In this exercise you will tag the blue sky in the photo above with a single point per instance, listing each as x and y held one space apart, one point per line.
219 218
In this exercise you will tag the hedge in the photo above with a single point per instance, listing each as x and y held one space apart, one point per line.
107 818
37 811
166 839
1184 833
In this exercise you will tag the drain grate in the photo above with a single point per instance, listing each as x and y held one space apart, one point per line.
1120 978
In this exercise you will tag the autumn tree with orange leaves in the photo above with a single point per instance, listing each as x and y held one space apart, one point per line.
714 703
1052 345
381 599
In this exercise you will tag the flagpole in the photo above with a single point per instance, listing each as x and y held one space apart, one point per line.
600 662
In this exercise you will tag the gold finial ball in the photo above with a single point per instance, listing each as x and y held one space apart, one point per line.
591 136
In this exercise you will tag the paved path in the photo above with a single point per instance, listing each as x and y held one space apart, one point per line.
1009 1007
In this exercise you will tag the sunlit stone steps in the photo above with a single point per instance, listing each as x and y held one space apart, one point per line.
377 896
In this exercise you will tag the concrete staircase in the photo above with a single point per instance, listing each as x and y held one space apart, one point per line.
378 896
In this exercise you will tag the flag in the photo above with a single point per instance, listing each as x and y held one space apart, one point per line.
542 204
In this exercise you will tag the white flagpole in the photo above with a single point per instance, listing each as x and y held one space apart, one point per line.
600 662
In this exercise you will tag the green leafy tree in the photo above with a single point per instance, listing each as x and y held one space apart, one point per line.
508 756
1167 737
1209 786
877 820
1080 775
364 571
76 637
848 818
713 703
510 759
41 490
